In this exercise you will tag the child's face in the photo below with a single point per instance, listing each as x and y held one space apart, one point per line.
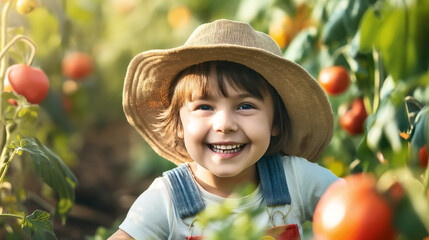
227 135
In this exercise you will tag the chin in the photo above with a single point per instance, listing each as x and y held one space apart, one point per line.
225 174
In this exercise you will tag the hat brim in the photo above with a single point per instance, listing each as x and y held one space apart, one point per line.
149 75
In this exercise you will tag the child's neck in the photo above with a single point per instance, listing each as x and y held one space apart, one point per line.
224 186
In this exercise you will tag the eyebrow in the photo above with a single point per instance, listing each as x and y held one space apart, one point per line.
211 97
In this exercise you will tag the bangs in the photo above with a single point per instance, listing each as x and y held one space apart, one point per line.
198 79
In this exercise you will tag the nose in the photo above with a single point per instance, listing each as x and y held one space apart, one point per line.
224 122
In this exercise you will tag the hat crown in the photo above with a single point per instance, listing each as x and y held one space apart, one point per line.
227 32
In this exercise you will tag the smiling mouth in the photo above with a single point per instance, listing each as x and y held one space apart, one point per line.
226 148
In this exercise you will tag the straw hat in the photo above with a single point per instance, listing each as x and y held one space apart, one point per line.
150 73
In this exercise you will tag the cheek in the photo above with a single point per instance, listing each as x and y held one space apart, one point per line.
259 130
192 129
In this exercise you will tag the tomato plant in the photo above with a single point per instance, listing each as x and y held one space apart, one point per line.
378 45
335 80
21 152
353 209
77 65
352 121
30 82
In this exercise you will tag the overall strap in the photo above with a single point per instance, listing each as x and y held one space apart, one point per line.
186 196
273 180
188 201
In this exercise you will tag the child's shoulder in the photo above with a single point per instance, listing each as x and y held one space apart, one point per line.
298 162
302 168
157 190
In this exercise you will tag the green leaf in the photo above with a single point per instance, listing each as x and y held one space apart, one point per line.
7 95
362 66
420 133
385 127
413 108
249 9
37 226
54 173
353 15
302 50
398 32
302 46
368 160
334 29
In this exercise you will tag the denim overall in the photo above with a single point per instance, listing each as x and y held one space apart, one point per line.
188 201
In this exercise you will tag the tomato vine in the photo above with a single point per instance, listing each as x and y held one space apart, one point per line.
15 144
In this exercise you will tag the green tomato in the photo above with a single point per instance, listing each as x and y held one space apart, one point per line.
25 6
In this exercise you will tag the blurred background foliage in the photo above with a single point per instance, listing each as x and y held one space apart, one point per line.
383 45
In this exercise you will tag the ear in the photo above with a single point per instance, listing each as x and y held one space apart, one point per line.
180 133
275 131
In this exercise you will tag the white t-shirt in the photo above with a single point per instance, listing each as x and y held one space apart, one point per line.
152 216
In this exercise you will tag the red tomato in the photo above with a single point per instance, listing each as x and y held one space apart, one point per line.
352 120
77 65
334 80
32 83
423 156
353 209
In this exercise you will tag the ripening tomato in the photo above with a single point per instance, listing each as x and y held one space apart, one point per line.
423 156
353 209
334 80
25 6
32 83
353 119
8 88
179 16
77 65
282 31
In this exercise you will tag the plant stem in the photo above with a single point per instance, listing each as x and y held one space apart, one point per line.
378 74
5 164
406 30
42 202
426 180
3 40
3 36
25 39
10 215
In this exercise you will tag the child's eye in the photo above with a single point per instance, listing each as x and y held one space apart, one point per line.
204 107
245 106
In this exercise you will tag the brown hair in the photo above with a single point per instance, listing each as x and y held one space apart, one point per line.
217 75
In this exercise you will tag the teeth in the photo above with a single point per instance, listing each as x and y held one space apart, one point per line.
226 148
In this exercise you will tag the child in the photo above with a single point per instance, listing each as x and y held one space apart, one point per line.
230 111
